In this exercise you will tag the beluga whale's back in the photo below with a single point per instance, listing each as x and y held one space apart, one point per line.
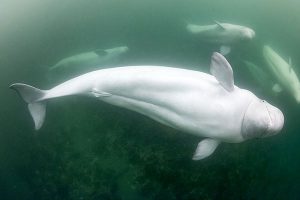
205 105
91 58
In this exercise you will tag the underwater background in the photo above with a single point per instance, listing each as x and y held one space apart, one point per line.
88 149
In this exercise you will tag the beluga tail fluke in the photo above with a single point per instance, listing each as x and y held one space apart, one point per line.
34 98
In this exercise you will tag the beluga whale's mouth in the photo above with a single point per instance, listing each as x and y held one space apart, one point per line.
261 119
276 120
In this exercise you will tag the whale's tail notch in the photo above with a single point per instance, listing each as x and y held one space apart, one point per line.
34 97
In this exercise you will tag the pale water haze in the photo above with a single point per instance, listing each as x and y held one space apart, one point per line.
88 149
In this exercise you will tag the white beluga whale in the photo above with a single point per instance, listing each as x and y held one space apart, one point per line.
96 57
197 103
282 72
224 34
263 79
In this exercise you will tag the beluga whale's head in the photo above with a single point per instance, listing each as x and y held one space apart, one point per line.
119 50
122 49
261 119
247 34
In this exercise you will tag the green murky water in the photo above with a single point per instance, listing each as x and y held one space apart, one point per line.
91 150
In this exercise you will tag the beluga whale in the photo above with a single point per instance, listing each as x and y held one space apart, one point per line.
95 57
282 72
224 34
263 78
208 106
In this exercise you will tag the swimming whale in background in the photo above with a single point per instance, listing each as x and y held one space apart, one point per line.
95 57
224 34
262 78
282 72
193 102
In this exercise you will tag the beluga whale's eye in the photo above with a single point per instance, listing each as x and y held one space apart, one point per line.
261 119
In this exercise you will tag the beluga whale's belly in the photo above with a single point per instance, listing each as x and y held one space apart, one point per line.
193 102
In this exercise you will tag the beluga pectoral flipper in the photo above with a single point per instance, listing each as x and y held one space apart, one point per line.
212 107
205 148
222 71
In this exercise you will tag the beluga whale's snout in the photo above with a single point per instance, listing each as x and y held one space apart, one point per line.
261 120
117 50
276 120
248 34
123 49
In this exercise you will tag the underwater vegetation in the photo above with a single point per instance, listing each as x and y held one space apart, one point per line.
111 161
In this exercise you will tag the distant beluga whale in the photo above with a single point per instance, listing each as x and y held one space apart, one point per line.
210 106
96 57
263 78
282 72
224 34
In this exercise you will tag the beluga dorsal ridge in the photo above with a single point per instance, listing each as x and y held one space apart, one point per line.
208 106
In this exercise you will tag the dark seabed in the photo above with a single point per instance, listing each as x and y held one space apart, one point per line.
88 149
